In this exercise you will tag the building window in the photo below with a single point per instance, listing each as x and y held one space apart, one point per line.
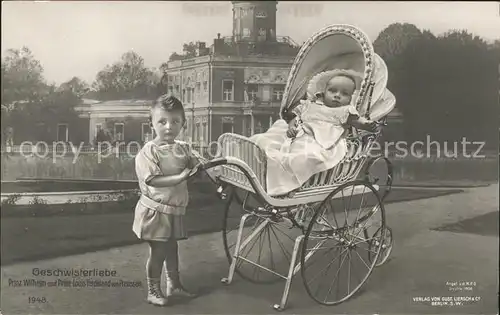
227 90
184 95
278 94
204 133
197 135
227 127
177 90
227 124
119 132
98 128
205 86
171 90
252 90
62 132
146 134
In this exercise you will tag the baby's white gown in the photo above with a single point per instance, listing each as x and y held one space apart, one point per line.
319 146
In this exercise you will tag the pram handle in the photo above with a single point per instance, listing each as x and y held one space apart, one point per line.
203 166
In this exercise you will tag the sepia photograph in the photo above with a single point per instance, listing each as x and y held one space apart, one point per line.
250 157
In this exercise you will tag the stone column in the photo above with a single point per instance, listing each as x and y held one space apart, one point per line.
209 124
252 124
244 125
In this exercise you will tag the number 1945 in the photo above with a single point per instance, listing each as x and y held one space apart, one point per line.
36 299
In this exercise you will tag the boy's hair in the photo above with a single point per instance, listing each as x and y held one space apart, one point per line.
168 103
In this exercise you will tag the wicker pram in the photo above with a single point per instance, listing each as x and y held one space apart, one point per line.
309 209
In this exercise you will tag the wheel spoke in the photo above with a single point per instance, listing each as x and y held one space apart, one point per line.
333 212
288 256
360 204
282 232
329 264
336 276
266 251
361 258
324 254
270 248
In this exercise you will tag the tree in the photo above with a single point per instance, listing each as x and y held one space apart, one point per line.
394 39
23 88
175 56
441 93
22 77
30 107
127 79
189 49
76 86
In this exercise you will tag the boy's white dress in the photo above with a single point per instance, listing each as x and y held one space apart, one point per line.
319 145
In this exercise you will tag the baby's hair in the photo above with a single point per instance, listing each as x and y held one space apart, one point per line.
168 103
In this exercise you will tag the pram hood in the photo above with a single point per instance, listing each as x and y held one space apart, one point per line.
341 46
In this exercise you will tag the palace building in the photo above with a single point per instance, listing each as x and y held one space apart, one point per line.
236 84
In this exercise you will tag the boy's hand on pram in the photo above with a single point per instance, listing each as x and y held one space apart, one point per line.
193 171
187 172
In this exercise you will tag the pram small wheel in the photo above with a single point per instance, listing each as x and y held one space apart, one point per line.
387 245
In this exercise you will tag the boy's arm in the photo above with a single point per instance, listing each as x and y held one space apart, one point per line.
167 181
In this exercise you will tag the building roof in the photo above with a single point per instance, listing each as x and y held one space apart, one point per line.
124 106
124 102
88 101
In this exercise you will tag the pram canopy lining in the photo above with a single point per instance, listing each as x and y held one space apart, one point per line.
334 47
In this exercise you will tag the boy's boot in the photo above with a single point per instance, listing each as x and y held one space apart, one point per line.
174 285
155 295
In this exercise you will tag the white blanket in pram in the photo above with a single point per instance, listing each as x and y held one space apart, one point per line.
318 146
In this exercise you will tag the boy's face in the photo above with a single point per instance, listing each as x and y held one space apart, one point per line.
167 124
339 91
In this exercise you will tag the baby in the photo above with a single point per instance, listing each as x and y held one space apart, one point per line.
329 110
314 140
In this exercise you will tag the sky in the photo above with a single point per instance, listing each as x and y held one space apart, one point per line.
81 38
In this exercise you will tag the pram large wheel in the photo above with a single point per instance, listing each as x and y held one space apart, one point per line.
336 237
270 246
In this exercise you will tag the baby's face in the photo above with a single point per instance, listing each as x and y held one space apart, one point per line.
339 91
